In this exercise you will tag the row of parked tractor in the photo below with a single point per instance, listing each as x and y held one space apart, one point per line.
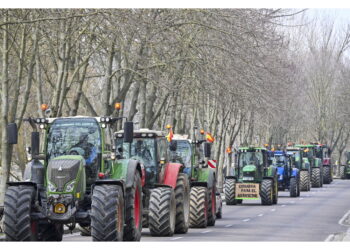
111 184
294 168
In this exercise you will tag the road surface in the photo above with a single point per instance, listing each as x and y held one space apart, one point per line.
319 215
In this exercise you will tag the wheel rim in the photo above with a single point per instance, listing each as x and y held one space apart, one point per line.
137 207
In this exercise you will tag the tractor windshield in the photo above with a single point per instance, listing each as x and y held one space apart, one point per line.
74 136
280 159
183 151
250 158
142 148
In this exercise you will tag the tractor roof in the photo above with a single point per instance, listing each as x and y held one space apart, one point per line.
144 131
51 120
305 146
292 149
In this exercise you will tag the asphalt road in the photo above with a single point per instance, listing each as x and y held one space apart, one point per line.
319 215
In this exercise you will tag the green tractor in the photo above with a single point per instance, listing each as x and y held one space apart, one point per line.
344 170
166 190
253 177
316 165
194 155
74 178
302 163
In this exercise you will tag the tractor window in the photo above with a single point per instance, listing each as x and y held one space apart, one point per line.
141 148
250 158
183 153
162 149
280 159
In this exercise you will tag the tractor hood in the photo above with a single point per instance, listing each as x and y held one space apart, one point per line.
249 168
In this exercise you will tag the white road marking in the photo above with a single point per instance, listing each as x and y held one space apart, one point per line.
283 205
341 221
292 202
260 215
301 198
176 238
330 237
245 220
206 231
229 225
273 209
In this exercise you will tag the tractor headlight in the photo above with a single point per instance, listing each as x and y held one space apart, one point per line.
103 119
108 119
51 187
70 186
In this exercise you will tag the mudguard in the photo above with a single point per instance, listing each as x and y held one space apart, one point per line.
172 170
132 167
125 169
21 183
120 183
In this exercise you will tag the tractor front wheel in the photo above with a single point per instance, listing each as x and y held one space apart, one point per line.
212 207
18 225
107 213
293 187
230 193
266 192
133 218
304 181
198 207
182 191
342 174
162 212
316 178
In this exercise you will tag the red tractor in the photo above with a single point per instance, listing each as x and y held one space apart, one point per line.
166 190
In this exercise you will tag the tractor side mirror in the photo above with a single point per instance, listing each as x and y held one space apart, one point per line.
35 143
173 146
128 132
12 133
207 150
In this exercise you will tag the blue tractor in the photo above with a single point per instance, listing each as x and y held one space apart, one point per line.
288 176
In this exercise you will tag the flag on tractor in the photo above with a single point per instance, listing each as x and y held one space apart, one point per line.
209 137
170 136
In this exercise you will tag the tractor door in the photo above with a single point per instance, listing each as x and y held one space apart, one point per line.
161 157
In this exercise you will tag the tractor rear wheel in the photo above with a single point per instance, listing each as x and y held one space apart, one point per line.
342 172
230 193
107 213
275 192
293 188
316 177
182 191
304 181
211 207
18 205
162 212
133 213
198 207
266 192
327 175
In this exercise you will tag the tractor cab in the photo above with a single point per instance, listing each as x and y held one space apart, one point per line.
148 147
280 160
252 162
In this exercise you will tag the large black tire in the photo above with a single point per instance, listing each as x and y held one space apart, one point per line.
107 213
162 212
133 213
342 174
293 187
230 186
182 192
18 205
266 192
199 207
51 232
211 207
316 177
327 175
304 180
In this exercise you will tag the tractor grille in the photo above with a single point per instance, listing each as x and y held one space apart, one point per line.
249 174
62 171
